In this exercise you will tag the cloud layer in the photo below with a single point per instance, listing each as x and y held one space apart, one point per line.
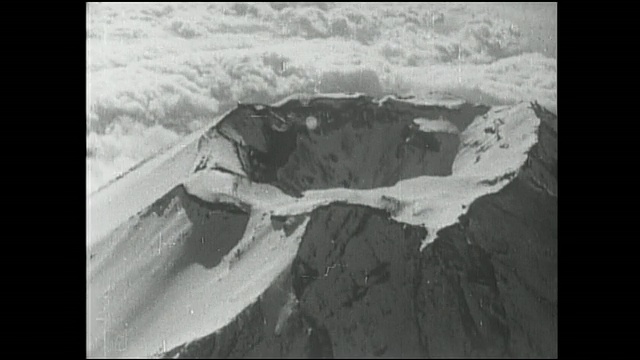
158 71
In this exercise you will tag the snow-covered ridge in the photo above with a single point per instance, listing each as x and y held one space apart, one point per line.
493 148
306 98
119 200
198 301
450 102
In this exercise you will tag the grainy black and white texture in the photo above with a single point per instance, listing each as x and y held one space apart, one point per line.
321 180
157 71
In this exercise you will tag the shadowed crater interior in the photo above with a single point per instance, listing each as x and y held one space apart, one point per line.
343 143
214 229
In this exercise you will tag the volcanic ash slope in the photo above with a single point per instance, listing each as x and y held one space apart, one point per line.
334 226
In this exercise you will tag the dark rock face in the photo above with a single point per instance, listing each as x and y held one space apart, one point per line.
541 169
203 243
486 287
489 283
354 275
357 143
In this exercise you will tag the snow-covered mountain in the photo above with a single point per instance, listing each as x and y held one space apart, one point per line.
334 225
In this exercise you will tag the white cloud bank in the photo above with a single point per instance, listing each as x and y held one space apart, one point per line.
157 71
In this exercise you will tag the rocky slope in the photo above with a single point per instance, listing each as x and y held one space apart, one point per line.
355 275
486 287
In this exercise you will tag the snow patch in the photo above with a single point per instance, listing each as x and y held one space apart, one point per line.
427 125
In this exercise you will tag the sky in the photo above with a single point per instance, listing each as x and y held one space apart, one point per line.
159 71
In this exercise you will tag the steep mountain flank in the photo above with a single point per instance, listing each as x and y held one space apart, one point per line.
335 226
149 252
359 286
489 283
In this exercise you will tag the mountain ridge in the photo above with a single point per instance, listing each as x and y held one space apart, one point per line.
482 139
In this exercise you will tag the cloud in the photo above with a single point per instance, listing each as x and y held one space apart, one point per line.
481 40
307 22
358 80
312 21
124 144
488 39
525 77
186 29
283 5
157 71
150 97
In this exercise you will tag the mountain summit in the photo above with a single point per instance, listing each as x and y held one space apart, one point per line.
334 225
